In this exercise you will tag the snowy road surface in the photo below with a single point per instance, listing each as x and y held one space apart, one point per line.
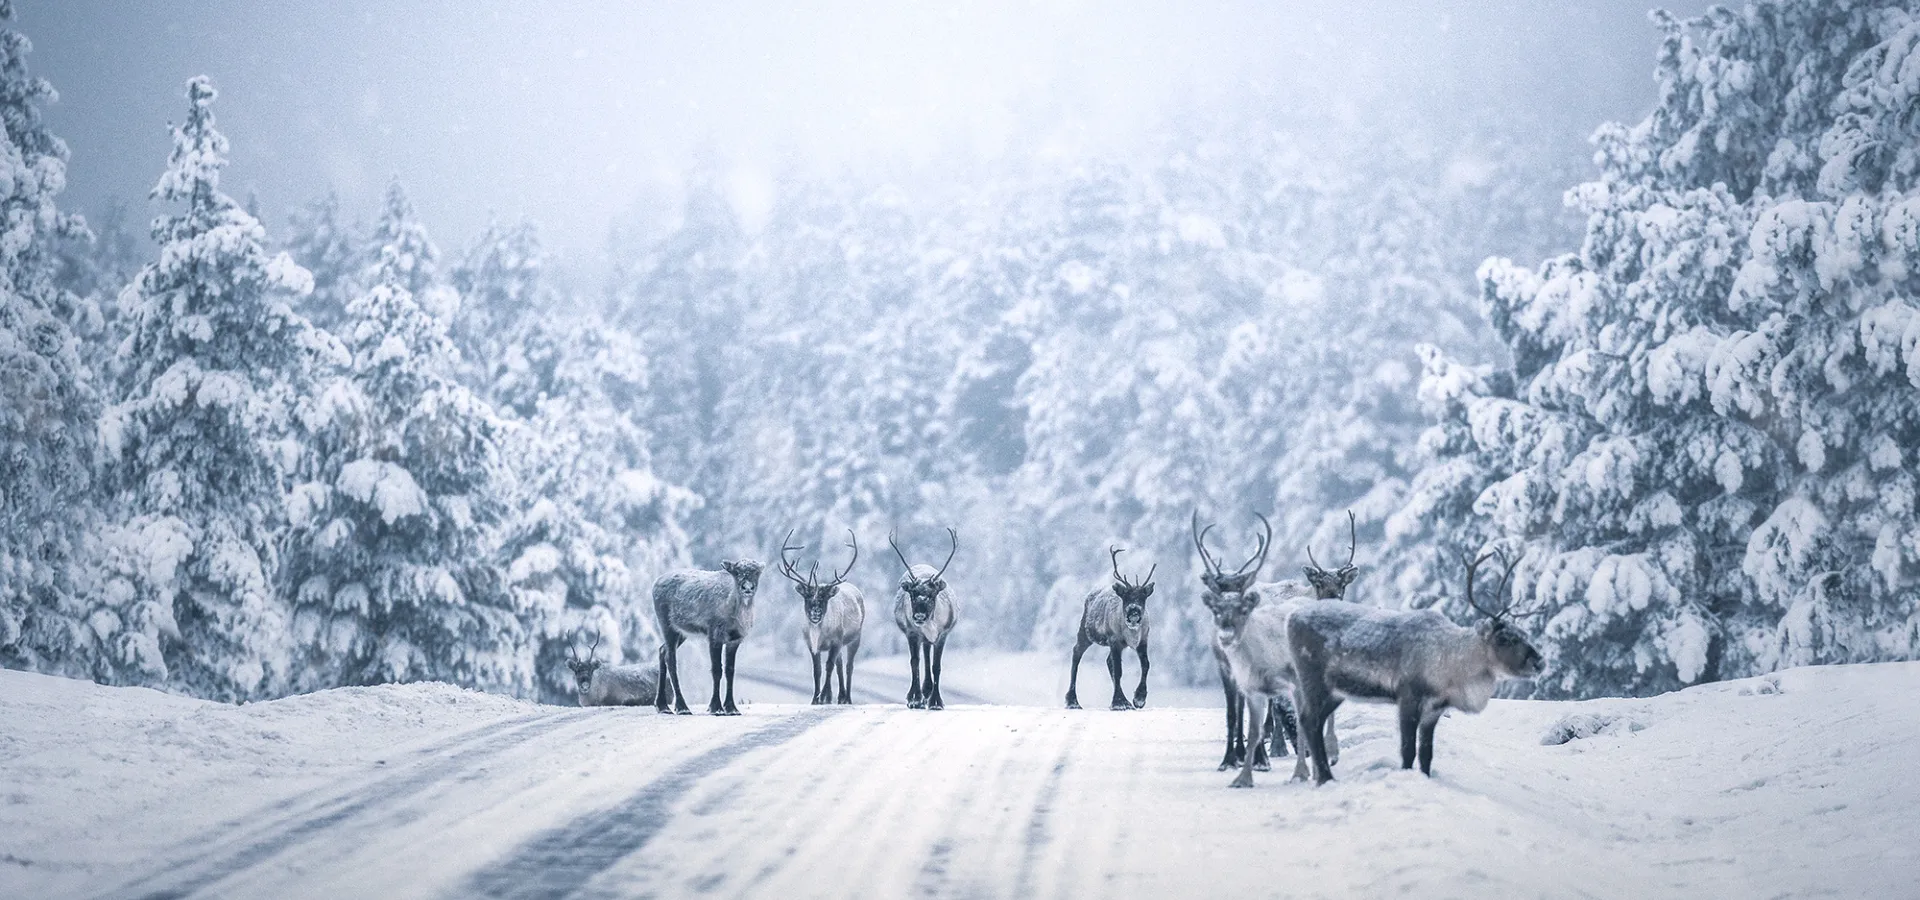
1797 786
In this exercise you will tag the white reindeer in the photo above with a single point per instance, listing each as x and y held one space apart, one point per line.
836 611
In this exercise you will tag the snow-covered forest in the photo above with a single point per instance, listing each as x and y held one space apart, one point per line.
246 453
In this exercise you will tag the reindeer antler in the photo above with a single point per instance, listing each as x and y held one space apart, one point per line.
594 647
573 639
1113 557
786 566
1473 566
953 536
903 556
853 542
1353 540
1200 544
1259 557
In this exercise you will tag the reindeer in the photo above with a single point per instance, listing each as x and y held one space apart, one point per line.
925 611
716 604
836 611
1216 582
1416 659
604 685
1115 616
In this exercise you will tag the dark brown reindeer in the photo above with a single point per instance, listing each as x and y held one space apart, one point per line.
1415 659
836 611
924 610
1115 616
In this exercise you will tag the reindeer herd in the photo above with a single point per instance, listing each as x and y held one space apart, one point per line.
1289 653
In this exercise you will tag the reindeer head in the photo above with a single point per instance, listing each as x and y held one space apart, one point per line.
813 594
746 576
1230 596
1512 653
1333 585
583 669
922 588
1133 595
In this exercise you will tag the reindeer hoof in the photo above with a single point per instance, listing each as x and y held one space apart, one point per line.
1120 704
1140 702
1244 781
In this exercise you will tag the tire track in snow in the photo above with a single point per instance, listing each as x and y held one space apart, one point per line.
1038 832
240 844
561 861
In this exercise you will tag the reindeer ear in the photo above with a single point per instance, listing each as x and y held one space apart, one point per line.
1146 591
939 585
728 565
1349 576
1308 571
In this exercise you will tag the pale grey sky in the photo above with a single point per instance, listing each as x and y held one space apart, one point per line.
570 112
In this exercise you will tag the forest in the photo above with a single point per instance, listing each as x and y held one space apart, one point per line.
247 453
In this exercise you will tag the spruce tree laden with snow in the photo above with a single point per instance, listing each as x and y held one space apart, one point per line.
196 446
1702 445
48 401
390 562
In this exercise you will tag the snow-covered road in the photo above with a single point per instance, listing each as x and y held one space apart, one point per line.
1797 786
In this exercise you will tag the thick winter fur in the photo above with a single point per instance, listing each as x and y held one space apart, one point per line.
924 610
1113 620
1415 659
835 616
1250 636
604 685
718 605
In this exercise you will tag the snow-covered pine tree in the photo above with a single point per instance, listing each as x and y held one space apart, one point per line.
1705 445
389 558
48 400
333 253
213 355
499 282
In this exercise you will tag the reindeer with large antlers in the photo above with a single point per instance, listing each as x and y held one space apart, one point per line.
1415 659
925 611
836 611
1115 616
1220 587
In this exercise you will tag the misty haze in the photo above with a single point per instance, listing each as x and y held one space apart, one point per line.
1003 449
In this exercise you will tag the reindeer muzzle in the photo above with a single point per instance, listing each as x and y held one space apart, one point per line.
1135 617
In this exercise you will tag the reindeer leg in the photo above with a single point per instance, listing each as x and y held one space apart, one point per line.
1256 737
718 668
1140 693
1300 753
1232 758
673 668
1315 706
1427 723
825 693
1080 645
733 650
816 677
662 698
1113 670
1333 742
914 700
1285 728
1256 720
933 666
846 673
1409 726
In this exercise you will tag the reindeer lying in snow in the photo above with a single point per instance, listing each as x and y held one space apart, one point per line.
1115 617
836 611
1415 659
601 684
